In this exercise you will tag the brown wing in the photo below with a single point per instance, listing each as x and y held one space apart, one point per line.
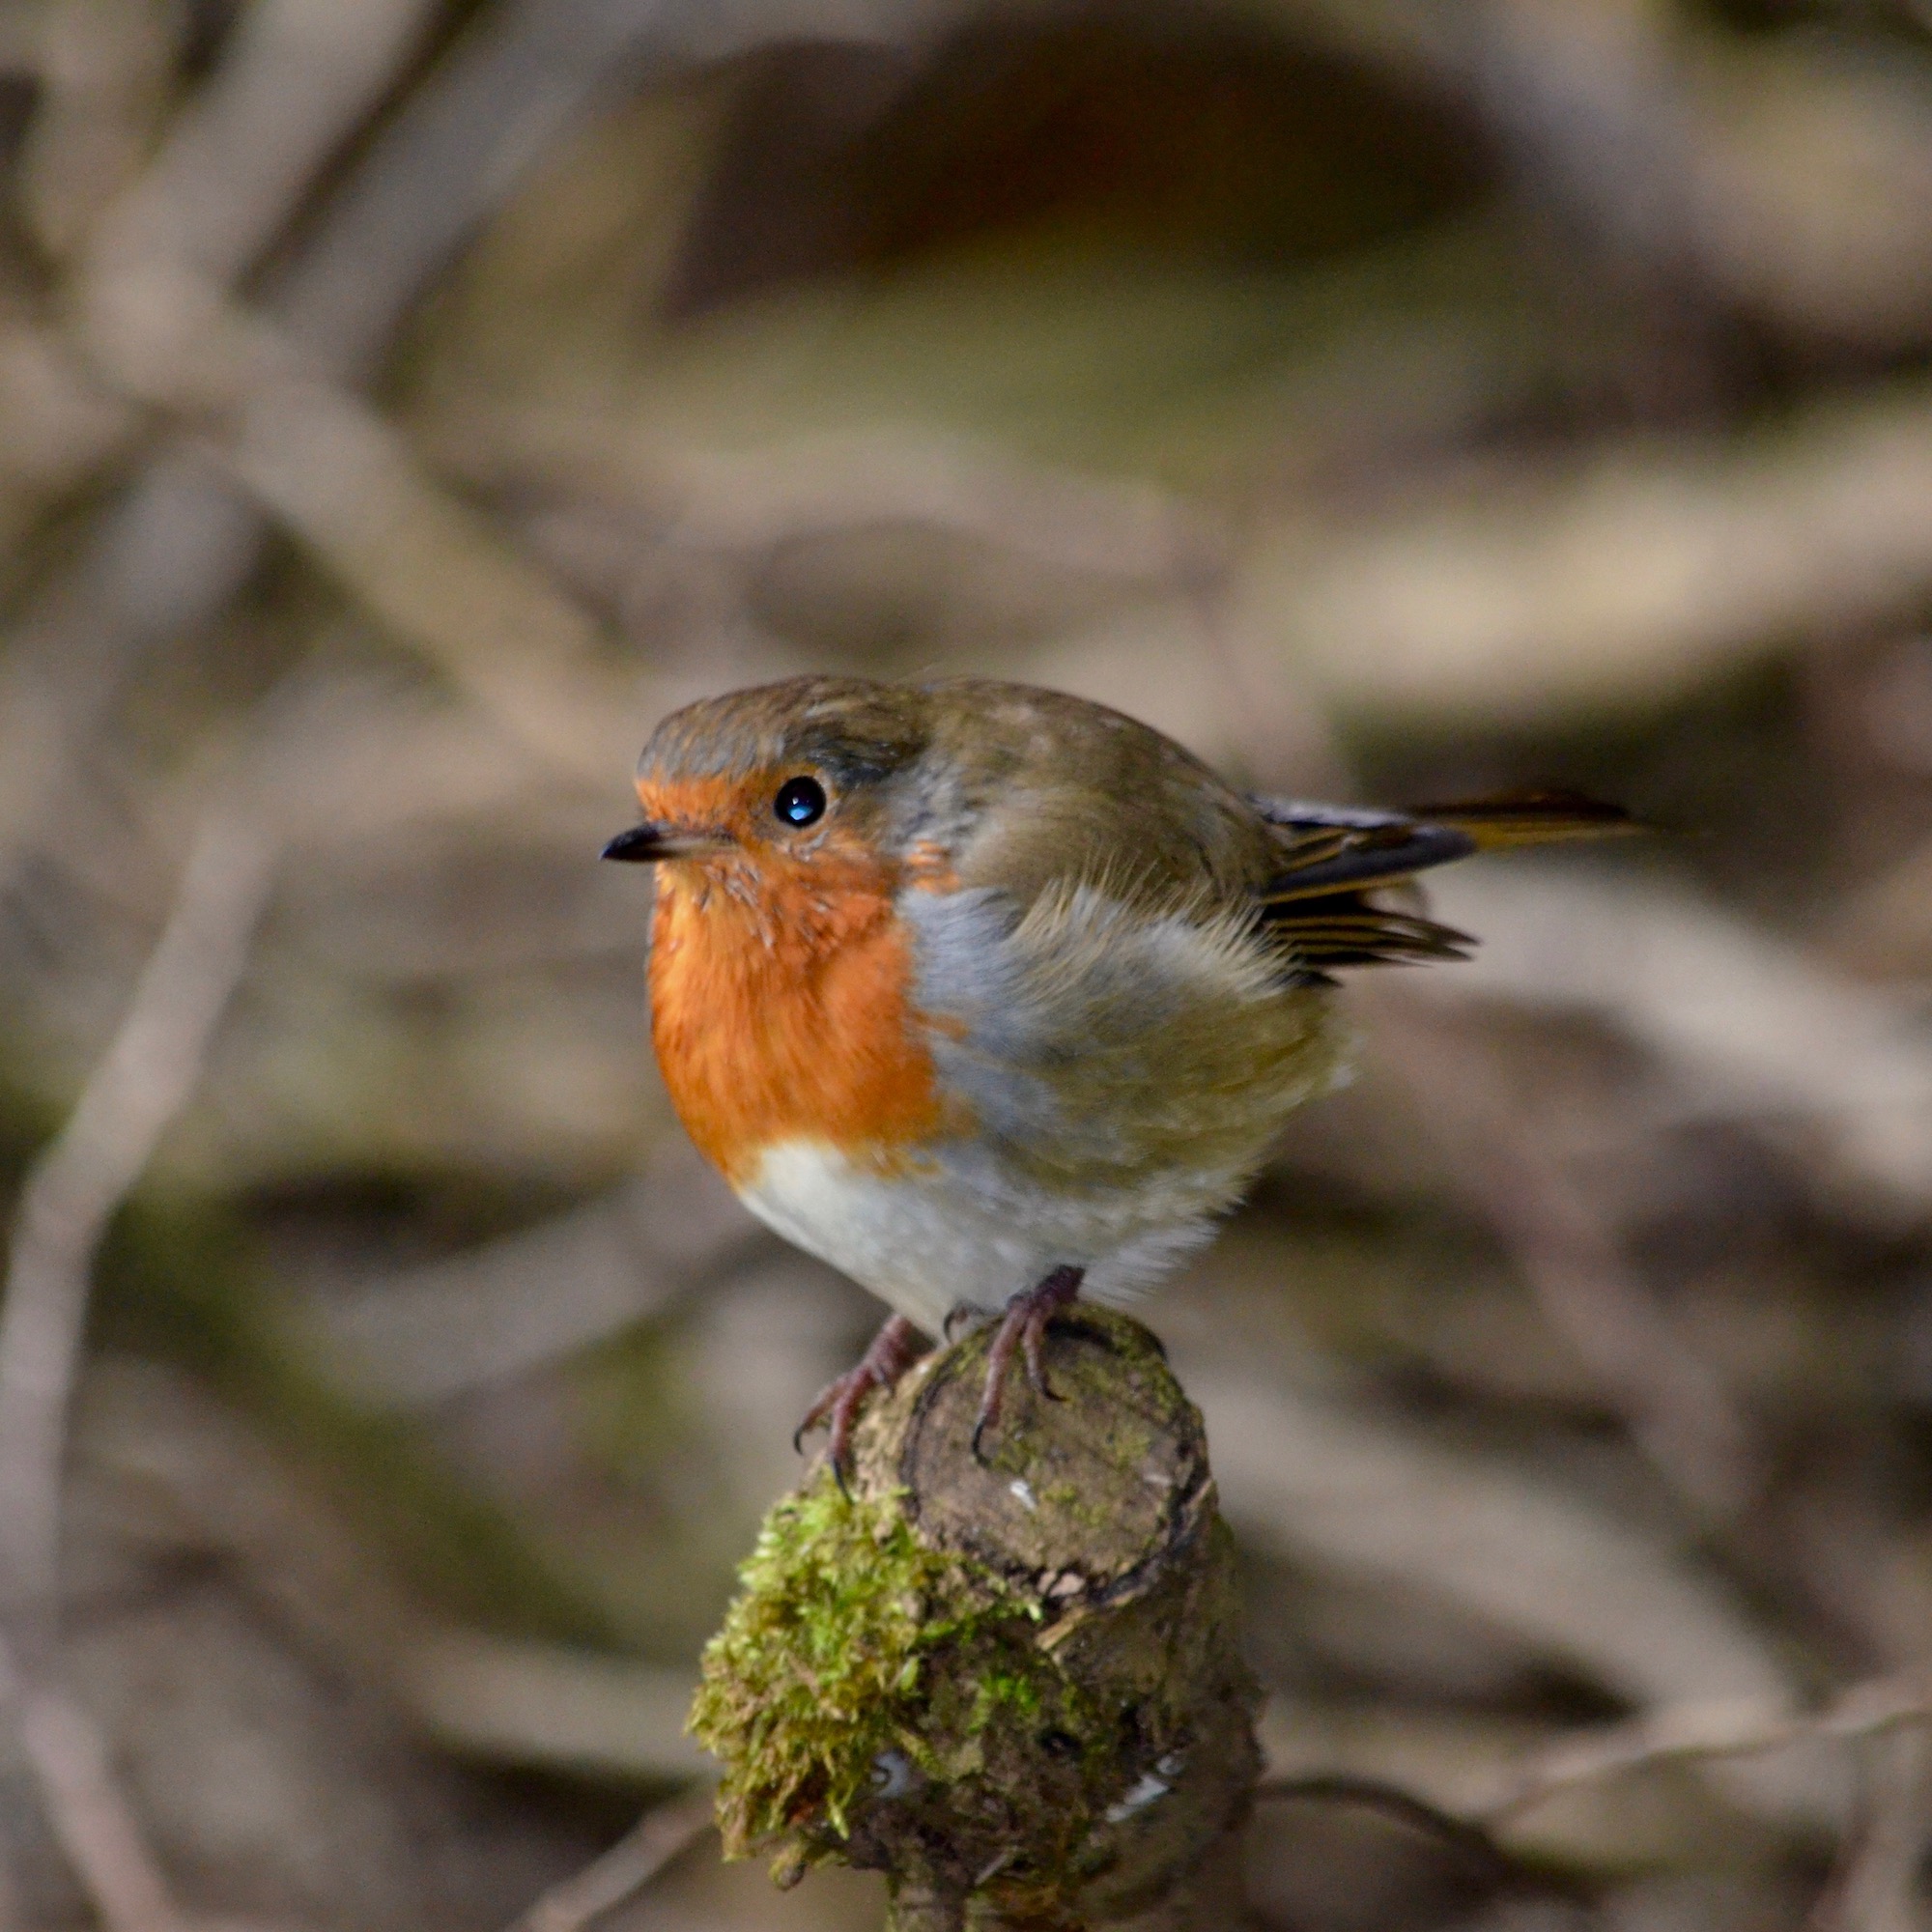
1335 858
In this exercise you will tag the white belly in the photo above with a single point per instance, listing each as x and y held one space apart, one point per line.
938 1238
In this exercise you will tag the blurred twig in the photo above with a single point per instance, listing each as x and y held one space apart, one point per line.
71 1195
1877 1886
1586 99
544 1706
169 554
816 483
419 1337
104 77
74 1188
1724 1728
96 1830
1371 1498
179 545
495 104
1677 1409
294 84
523 1703
630 1865
1748 1024
1680 171
1459 1760
1500 605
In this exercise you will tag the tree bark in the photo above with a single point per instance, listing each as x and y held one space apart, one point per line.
1014 1685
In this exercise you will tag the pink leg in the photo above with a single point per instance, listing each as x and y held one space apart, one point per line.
1022 1330
894 1348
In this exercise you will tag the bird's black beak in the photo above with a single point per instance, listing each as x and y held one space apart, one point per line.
644 845
637 846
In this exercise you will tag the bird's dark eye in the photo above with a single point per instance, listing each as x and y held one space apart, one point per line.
800 802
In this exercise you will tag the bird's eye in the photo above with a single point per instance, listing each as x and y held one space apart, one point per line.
800 802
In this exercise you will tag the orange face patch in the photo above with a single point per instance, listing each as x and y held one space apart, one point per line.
781 987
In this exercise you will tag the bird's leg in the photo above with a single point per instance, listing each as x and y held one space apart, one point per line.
1022 1330
894 1350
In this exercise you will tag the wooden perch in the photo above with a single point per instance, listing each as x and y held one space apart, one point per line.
1015 1687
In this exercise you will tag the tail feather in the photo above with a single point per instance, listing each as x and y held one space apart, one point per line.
1335 857
1529 819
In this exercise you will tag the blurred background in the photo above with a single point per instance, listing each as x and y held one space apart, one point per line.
403 403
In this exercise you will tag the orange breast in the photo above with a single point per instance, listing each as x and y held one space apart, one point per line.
780 1009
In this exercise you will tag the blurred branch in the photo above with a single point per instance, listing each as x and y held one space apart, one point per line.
70 1194
171 552
1110 528
1681 169
1748 1023
506 1308
542 1706
1411 39
1886 922
56 422
295 82
497 102
1459 1760
523 1703
1588 104
1877 1886
1677 1409
1635 574
499 629
1370 1500
1719 1728
96 1830
79 1181
625 1870
176 549
1392 1801
103 75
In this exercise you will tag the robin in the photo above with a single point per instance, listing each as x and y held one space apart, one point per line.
991 997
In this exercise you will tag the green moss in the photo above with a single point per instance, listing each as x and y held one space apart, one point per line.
1006 1695
846 1628
958 1683
1066 1500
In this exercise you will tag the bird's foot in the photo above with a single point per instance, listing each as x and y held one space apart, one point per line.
894 1350
1022 1330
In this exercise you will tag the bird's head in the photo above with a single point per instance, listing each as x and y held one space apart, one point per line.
812 774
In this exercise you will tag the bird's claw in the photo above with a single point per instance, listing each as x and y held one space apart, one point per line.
1022 1330
892 1351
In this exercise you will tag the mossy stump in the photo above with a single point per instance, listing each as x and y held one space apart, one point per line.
1015 1687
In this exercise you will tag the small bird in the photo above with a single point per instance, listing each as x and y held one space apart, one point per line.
990 996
